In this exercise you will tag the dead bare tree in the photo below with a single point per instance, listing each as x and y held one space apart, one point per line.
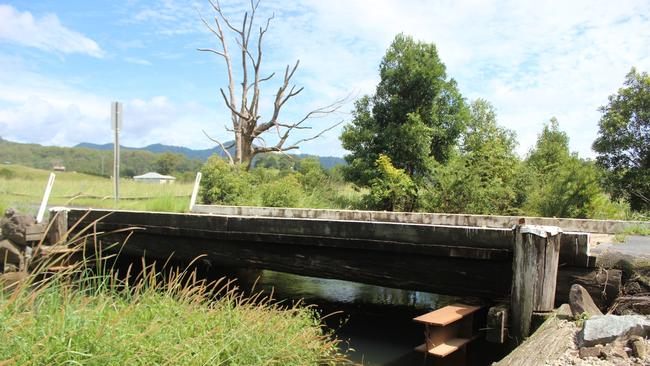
247 125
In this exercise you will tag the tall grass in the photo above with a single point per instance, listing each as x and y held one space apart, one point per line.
91 314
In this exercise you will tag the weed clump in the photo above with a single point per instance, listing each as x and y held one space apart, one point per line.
91 314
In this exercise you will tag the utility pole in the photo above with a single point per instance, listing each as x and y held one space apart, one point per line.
116 124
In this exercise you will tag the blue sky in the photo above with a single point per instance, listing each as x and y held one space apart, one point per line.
62 62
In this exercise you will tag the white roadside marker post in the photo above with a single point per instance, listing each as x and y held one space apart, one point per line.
46 197
195 190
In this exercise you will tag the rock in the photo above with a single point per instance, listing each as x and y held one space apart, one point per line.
10 254
564 312
14 227
581 302
10 212
585 352
607 328
615 352
639 347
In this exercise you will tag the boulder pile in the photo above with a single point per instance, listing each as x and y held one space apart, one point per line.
18 236
610 339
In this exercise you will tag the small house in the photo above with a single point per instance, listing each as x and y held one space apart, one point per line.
58 168
153 177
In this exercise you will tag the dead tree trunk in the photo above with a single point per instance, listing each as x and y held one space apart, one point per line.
246 124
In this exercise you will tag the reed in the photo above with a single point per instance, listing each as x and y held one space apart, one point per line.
87 312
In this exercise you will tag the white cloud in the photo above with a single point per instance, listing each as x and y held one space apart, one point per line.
35 108
137 61
533 60
45 33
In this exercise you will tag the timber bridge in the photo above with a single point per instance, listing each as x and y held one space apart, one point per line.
522 266
460 255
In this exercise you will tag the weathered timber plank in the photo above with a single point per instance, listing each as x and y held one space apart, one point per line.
406 268
58 232
318 231
387 232
547 344
534 275
367 244
409 233
454 276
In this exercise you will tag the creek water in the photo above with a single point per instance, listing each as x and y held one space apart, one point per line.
374 323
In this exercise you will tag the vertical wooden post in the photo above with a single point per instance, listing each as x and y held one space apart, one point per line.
195 190
59 229
534 274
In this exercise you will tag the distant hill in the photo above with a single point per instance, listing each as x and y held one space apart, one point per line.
326 161
96 161
202 155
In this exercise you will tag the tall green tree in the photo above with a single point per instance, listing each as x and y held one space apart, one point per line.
415 116
167 162
562 184
623 143
482 177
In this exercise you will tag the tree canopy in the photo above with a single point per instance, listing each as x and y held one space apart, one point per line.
482 176
623 143
415 116
561 184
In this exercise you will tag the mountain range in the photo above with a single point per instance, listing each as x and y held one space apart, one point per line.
203 154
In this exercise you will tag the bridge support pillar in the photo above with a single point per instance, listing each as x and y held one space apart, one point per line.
535 262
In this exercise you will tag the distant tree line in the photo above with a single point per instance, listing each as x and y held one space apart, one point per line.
97 162
417 144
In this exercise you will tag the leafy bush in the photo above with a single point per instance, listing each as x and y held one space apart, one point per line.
223 183
283 192
312 175
393 189
573 190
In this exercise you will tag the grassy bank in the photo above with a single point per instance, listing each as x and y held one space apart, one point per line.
78 317
22 188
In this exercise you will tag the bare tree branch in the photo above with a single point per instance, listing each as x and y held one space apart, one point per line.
222 147
211 50
217 7
245 117
295 144
230 106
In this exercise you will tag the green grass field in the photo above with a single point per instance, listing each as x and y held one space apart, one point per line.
22 188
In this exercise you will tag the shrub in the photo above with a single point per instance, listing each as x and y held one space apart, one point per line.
283 192
312 175
223 183
393 189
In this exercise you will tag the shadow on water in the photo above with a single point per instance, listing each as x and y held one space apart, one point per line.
374 323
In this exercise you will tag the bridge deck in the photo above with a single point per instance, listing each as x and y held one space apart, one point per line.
436 258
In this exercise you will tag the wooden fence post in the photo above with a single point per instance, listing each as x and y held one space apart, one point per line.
59 228
534 274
